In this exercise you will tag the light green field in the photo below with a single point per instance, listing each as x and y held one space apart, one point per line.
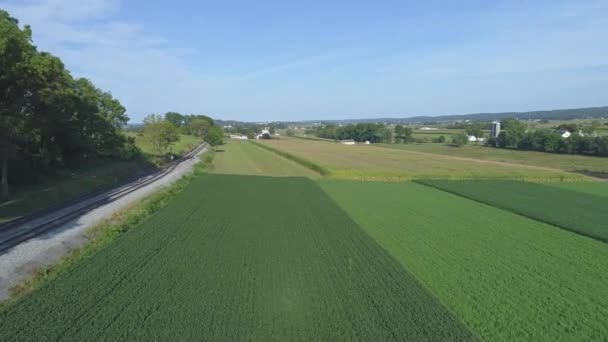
244 158
185 143
508 277
369 162
567 162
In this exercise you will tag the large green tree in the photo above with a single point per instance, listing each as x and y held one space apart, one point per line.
16 49
159 133
48 118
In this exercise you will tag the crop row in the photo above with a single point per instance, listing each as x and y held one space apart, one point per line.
237 258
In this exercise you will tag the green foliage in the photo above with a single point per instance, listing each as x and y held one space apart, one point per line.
475 130
509 278
215 136
544 140
200 128
188 272
403 134
373 133
582 213
290 133
460 140
159 133
570 127
48 119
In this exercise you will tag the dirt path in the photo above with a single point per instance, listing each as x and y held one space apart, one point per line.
21 261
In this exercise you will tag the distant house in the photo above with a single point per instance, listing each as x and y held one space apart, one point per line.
347 142
472 138
428 129
238 136
563 133
366 142
264 135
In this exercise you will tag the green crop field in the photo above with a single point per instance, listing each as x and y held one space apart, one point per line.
510 278
368 162
245 158
567 162
579 212
236 258
593 188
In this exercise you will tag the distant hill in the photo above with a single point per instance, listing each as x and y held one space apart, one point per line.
559 114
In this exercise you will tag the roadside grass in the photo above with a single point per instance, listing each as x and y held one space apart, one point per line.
579 212
371 163
244 158
60 186
103 233
222 262
508 277
566 162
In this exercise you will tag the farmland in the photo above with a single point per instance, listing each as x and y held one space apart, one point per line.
579 212
365 162
507 276
221 262
243 157
566 162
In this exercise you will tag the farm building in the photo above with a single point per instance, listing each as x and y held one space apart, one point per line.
264 135
366 142
347 142
563 133
238 136
473 138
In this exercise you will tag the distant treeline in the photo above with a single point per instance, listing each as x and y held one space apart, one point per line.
515 135
47 117
373 133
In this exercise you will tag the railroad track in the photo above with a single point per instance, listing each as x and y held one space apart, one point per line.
37 223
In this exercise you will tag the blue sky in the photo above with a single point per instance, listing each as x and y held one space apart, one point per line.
286 60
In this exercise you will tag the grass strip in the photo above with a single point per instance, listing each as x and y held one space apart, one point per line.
304 162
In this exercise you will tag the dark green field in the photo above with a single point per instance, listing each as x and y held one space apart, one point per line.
580 212
237 258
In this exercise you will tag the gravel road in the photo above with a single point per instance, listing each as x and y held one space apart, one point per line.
20 262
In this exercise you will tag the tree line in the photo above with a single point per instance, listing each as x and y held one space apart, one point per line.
160 131
48 118
515 135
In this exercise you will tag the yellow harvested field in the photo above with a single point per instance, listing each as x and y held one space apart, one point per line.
367 162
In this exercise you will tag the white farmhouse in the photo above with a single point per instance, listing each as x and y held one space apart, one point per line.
261 135
564 133
347 142
238 136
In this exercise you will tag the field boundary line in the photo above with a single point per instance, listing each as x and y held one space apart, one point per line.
499 207
304 162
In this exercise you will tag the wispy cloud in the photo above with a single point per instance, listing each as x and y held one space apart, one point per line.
142 70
